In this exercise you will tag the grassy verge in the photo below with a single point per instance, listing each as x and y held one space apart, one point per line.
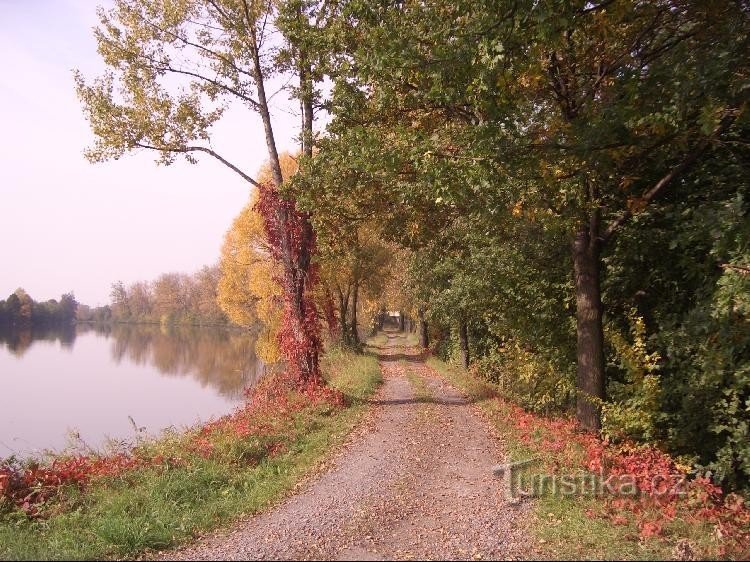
411 339
567 527
209 477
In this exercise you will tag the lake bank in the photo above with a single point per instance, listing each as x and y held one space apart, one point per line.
169 490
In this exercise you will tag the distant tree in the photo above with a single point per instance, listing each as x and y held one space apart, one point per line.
67 308
25 308
13 308
170 301
140 300
119 299
203 297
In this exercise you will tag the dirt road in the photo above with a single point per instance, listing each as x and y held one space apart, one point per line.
415 481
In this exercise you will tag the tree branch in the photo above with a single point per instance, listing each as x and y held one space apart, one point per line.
158 65
741 269
226 60
673 174
187 149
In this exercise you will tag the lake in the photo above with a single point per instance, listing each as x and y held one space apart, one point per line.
86 385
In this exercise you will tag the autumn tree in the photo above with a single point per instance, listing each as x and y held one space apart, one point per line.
577 114
173 68
248 290
355 268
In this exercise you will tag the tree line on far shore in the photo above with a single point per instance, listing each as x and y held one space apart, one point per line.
19 310
173 298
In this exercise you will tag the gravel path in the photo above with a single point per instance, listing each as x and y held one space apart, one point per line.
414 482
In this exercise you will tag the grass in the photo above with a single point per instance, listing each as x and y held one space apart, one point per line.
411 339
154 508
559 524
378 340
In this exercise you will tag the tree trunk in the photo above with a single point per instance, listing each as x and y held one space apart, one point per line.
355 297
400 321
424 340
265 114
343 308
463 340
295 261
590 379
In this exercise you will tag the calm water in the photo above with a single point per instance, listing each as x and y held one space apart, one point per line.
94 380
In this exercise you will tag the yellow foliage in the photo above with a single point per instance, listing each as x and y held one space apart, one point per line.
289 167
248 292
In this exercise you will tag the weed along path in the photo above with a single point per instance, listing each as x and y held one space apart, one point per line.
414 481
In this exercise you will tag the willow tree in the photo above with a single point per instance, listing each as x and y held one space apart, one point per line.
174 68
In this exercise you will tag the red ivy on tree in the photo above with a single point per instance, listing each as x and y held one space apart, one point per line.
292 243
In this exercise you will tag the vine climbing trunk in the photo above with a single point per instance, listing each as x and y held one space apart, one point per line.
292 243
590 334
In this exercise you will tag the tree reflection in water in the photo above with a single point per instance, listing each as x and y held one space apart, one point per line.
221 358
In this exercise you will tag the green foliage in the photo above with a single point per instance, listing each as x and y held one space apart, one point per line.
527 379
484 135
20 311
634 406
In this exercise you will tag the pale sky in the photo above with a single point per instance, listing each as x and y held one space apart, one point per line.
68 225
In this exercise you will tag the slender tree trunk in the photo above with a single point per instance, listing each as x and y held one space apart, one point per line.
355 297
343 308
463 340
401 320
306 89
424 340
590 379
265 114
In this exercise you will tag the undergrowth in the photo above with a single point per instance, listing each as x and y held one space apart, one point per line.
628 501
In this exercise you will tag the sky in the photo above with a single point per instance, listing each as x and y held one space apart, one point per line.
69 225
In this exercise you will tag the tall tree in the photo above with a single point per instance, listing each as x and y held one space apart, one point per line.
582 114
172 70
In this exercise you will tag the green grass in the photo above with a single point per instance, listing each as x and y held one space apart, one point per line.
559 524
411 339
154 508
378 340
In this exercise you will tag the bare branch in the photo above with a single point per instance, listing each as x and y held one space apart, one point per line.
187 149
741 269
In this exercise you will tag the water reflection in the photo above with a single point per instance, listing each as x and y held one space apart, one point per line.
221 358
18 341
92 379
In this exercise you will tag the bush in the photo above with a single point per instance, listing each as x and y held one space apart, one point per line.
527 379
